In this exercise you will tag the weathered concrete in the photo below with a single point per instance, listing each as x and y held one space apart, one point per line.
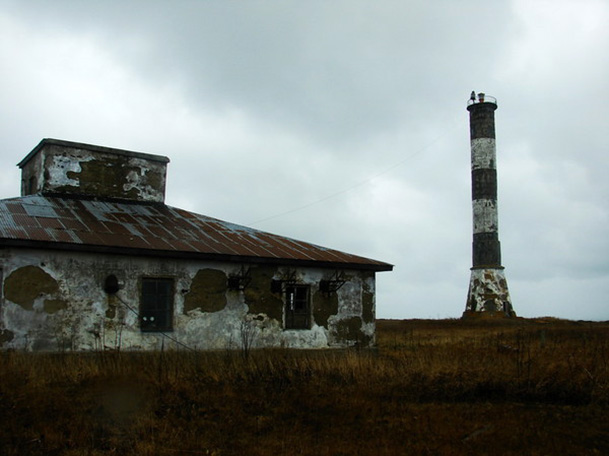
483 153
259 296
368 291
107 283
207 291
57 301
488 290
325 305
62 167
485 219
24 285
486 251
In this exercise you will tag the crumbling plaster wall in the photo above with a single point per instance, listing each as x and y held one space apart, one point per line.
69 170
56 301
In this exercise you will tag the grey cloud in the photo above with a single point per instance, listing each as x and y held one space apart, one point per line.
346 117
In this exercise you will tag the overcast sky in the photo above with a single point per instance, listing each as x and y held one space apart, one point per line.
344 124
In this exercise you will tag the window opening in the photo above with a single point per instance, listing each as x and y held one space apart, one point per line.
297 308
156 306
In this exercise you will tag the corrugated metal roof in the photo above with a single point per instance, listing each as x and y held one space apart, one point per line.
154 229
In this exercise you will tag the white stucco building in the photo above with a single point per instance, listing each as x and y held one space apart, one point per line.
92 258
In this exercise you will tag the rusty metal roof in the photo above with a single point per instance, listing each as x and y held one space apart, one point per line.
154 229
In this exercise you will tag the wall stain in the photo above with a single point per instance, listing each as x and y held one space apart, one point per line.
324 306
207 291
111 312
99 177
26 284
112 304
367 299
54 305
6 336
258 295
350 330
154 179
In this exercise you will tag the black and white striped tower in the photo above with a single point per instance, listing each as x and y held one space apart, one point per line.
488 289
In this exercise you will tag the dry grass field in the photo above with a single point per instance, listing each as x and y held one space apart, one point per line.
445 387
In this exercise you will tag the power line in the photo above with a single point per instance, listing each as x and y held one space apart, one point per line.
361 183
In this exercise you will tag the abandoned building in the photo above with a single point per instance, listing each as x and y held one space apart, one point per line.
92 258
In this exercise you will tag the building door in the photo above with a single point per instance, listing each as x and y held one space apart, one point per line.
297 308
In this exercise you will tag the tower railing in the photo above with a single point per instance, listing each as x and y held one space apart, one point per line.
481 98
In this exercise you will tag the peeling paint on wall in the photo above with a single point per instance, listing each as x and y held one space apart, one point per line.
64 305
60 167
207 291
24 285
58 173
325 305
6 336
488 292
349 331
111 308
485 218
119 177
368 304
483 152
258 294
54 305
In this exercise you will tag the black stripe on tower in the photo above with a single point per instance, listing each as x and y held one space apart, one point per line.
484 184
482 120
486 251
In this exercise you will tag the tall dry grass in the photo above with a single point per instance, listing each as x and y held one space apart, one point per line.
431 387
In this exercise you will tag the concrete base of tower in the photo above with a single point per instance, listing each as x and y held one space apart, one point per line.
488 294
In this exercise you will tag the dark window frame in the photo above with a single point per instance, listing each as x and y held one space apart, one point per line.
297 306
156 304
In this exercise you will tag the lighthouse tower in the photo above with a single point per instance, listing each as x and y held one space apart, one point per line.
488 289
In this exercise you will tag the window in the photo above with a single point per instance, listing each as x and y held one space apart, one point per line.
156 306
297 309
